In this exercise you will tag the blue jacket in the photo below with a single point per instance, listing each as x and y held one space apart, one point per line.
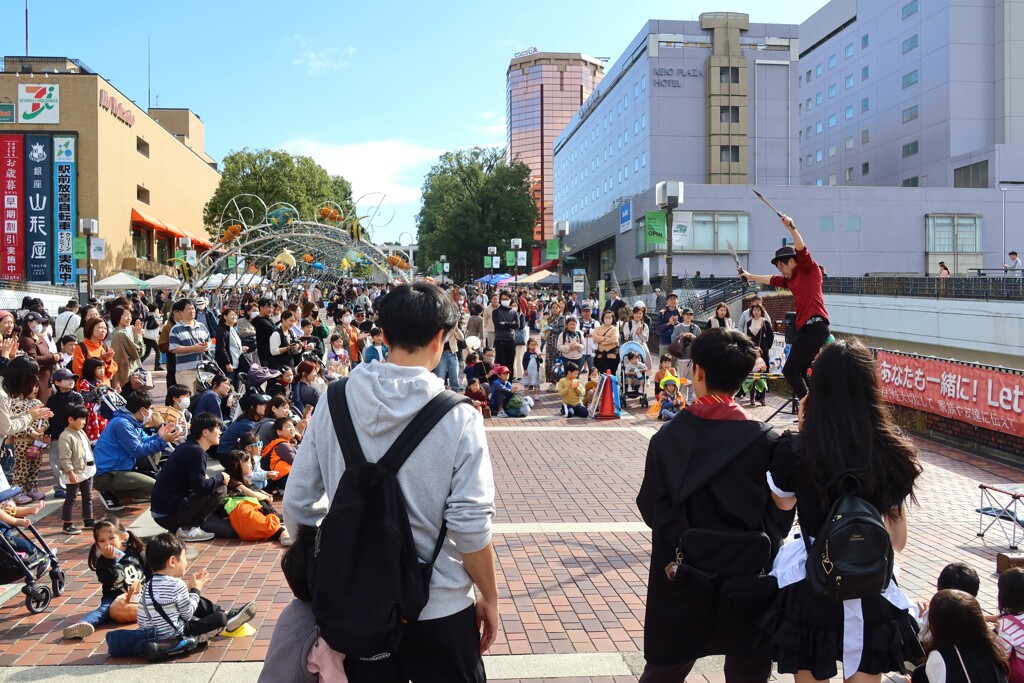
663 327
370 353
229 439
122 443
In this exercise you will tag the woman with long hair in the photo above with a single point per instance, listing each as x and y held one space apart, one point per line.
229 345
21 382
722 318
960 641
845 430
127 345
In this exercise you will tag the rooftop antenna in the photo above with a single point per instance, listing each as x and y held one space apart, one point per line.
26 29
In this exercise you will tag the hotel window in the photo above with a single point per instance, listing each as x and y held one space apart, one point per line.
910 114
848 174
625 137
817 127
849 112
643 160
729 154
974 175
818 182
818 98
848 144
142 147
853 224
832 121
831 91
625 172
142 194
643 83
808 160
826 224
865 168
910 149
729 74
817 69
910 9
849 81
946 231
848 51
831 150
808 77
636 127
864 41
818 156
636 164
808 104
865 136
620 175
619 108
864 73
625 102
831 61
141 242
865 104
636 90
910 78
643 121
620 141
808 131
910 43
914 181
729 114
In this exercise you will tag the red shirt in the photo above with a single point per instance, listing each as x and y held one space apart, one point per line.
806 287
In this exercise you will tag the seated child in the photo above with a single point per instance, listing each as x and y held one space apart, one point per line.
296 627
13 516
757 388
571 392
253 447
118 558
475 392
664 370
633 367
470 370
593 378
501 390
671 400
1010 625
250 512
955 576
962 648
279 454
185 611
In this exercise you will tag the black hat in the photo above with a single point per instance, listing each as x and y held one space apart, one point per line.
784 253
358 309
252 400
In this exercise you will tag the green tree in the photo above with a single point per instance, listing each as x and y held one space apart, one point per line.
474 199
275 176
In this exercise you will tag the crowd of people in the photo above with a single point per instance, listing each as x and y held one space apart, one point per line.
336 438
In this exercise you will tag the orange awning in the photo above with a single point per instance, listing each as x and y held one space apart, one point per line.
140 218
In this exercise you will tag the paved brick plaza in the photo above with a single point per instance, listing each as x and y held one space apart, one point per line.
572 553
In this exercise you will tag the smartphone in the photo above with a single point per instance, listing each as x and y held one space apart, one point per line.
307 412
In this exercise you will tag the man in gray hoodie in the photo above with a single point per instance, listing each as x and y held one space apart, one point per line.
447 478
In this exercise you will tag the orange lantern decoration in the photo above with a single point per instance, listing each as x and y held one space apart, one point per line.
280 267
308 258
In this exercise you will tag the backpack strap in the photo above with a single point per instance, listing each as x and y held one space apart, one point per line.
417 430
343 426
161 612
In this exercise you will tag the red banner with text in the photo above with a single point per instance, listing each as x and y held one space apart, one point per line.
970 393
12 177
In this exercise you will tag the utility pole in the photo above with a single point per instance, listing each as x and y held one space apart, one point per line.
668 195
562 228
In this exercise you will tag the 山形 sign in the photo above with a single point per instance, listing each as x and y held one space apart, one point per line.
38 103
39 234
975 394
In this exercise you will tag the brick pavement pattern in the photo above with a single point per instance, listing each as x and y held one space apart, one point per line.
562 593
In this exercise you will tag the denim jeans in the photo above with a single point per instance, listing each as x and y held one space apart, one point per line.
586 362
98 616
448 367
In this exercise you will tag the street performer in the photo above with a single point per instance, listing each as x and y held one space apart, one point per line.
802 276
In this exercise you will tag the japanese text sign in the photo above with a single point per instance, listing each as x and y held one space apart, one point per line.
12 165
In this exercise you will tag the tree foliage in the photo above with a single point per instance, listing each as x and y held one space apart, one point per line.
474 199
275 176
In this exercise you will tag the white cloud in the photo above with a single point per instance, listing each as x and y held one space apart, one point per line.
316 58
394 167
493 129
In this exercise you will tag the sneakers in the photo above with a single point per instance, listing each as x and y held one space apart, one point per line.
285 538
89 523
79 630
36 494
69 528
240 615
111 502
59 493
22 499
502 413
194 535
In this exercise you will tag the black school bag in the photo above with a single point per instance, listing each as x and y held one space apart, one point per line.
852 555
368 583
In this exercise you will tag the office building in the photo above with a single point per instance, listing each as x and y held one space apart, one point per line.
544 90
912 93
74 147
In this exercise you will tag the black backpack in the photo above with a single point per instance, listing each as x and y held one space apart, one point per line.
367 581
852 555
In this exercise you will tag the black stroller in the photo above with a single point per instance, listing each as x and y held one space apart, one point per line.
17 566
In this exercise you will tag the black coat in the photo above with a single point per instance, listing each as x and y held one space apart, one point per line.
723 487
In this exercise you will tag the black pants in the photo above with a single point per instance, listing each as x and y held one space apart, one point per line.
505 352
194 510
443 650
170 369
737 670
807 341
208 620
606 363
151 347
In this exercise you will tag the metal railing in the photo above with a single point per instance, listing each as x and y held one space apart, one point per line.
979 288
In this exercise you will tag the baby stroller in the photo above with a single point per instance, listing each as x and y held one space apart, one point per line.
633 385
205 372
17 566
256 379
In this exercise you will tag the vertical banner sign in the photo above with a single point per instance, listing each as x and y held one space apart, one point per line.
626 217
39 252
510 258
64 209
655 225
12 163
551 252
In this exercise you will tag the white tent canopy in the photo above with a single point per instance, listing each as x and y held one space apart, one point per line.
535 277
120 281
161 281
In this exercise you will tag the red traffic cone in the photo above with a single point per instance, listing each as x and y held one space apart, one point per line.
606 407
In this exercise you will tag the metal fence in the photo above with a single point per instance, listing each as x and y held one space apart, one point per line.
980 288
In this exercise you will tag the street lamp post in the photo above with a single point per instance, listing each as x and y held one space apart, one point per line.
669 195
491 251
515 245
562 228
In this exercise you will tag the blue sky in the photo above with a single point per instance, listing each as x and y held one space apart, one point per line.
375 91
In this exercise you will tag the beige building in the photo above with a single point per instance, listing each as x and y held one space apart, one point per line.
144 176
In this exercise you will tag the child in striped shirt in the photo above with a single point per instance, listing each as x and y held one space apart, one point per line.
176 608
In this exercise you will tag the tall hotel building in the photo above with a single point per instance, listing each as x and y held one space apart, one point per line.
544 90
